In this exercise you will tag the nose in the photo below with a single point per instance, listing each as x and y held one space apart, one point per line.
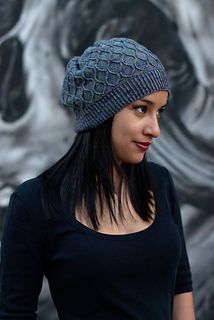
152 127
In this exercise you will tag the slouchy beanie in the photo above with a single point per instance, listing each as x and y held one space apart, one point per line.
108 76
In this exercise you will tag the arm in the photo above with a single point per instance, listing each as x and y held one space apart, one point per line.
22 262
183 308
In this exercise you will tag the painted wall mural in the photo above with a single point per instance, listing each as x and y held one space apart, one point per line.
37 37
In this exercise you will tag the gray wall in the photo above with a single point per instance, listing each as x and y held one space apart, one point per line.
36 39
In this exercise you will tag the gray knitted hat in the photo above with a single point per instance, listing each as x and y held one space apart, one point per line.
108 76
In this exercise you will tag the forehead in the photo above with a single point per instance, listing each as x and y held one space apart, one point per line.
159 97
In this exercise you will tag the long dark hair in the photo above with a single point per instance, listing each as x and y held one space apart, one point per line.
85 173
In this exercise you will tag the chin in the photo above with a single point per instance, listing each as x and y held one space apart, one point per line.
133 160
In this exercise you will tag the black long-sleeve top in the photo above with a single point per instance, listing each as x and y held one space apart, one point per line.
92 275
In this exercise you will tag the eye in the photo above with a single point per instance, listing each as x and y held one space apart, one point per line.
160 110
141 109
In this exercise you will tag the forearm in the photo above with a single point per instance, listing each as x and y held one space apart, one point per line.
183 308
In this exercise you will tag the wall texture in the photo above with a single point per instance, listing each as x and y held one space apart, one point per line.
37 37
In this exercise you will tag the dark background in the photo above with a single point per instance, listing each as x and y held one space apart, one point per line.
37 37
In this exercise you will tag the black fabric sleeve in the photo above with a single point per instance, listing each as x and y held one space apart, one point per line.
22 262
184 277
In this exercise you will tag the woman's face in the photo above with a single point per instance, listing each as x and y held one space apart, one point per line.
135 126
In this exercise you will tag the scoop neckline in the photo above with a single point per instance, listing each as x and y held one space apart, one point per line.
124 236
111 236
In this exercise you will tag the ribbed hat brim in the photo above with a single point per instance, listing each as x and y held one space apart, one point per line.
127 92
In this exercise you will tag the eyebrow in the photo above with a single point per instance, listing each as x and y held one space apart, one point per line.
148 101
152 103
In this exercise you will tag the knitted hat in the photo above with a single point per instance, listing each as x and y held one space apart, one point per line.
108 76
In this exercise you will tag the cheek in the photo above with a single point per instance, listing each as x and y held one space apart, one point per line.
121 133
122 136
118 139
125 129
119 136
123 125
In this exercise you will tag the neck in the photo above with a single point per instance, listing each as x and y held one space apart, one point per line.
117 180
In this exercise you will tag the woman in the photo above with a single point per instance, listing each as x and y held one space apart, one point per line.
102 224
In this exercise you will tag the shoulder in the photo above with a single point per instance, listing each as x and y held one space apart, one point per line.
158 173
29 187
157 168
25 207
29 192
162 182
25 212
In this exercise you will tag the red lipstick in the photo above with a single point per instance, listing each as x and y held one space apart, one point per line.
142 145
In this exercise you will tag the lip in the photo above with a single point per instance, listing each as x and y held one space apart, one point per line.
142 145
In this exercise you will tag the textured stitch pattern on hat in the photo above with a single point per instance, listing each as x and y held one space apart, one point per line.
106 68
